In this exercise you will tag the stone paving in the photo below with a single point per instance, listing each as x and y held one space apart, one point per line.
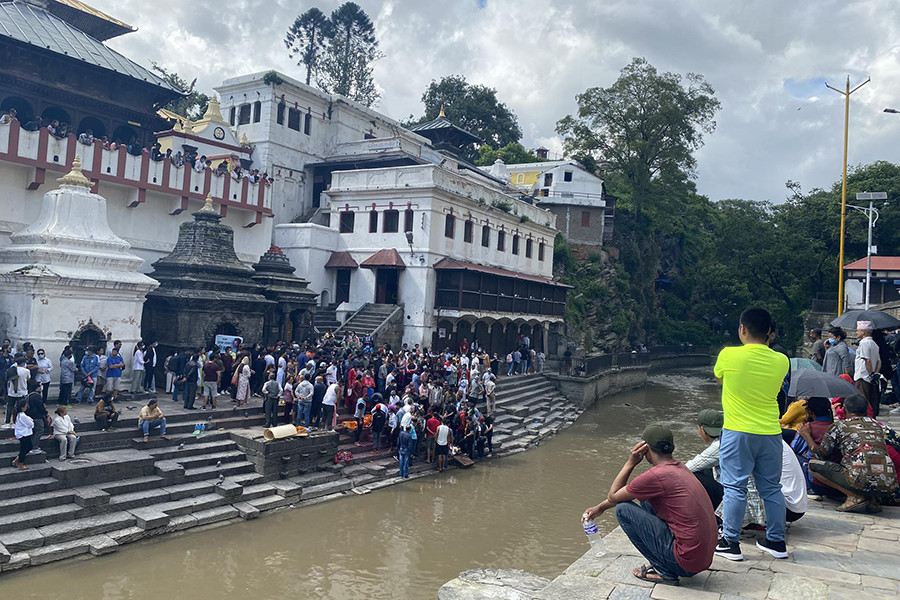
834 556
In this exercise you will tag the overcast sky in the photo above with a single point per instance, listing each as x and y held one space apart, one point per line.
767 60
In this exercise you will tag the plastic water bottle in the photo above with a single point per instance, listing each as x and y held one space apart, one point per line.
594 537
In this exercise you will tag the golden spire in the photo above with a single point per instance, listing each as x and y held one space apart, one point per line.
208 206
212 111
442 112
177 127
244 141
188 126
75 176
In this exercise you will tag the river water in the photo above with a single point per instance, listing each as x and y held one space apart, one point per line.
403 541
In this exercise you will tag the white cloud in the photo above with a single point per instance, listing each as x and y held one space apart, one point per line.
540 54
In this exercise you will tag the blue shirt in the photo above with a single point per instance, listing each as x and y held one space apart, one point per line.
114 365
90 365
404 441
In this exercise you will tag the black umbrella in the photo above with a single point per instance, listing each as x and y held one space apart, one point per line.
879 319
807 383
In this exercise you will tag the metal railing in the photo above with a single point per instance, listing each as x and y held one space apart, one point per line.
591 365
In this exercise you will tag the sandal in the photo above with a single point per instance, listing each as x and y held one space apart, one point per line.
647 570
852 506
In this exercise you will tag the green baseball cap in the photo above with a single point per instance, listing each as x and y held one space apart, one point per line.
659 437
711 421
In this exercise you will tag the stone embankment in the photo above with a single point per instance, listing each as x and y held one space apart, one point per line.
120 490
833 556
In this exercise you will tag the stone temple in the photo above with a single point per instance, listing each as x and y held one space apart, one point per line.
68 279
205 290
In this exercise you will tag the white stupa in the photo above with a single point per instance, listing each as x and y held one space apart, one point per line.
68 279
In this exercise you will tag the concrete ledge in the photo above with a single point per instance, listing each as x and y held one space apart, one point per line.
585 391
681 361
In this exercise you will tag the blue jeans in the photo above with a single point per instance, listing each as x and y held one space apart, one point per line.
741 455
90 391
146 426
175 387
304 412
651 536
404 463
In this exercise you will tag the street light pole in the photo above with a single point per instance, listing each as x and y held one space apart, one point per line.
846 93
870 212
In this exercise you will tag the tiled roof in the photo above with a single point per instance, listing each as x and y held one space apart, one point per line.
387 257
341 260
879 263
29 24
449 264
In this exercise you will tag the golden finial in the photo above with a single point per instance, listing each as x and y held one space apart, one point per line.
188 126
177 127
442 112
208 206
212 110
244 141
75 176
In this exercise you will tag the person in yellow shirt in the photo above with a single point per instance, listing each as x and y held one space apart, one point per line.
751 376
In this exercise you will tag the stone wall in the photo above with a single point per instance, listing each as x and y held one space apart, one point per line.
585 391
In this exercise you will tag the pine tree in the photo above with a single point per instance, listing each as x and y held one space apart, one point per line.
346 66
308 37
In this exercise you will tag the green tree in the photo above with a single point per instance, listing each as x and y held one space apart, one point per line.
474 108
643 123
511 154
307 38
193 104
346 65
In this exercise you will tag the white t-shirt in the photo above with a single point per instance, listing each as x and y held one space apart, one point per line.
867 349
443 435
137 361
330 398
19 389
793 483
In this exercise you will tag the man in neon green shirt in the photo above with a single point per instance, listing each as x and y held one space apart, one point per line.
751 376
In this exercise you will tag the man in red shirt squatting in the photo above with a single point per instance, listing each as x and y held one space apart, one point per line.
674 526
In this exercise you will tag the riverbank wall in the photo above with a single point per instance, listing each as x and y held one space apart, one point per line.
627 374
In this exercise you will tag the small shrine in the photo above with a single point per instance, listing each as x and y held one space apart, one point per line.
68 279
291 318
204 289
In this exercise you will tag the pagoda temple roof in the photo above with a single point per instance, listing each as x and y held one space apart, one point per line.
442 128
88 19
28 24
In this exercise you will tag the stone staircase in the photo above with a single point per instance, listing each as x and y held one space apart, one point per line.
529 409
325 319
367 319
121 490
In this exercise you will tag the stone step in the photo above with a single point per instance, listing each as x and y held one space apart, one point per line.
252 492
196 445
95 544
271 502
529 399
364 457
317 478
245 479
74 529
29 486
138 499
43 499
39 517
14 475
324 489
215 515
187 506
186 490
135 484
204 460
227 469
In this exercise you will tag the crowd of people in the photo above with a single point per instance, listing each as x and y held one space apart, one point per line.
761 465
396 397
189 158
